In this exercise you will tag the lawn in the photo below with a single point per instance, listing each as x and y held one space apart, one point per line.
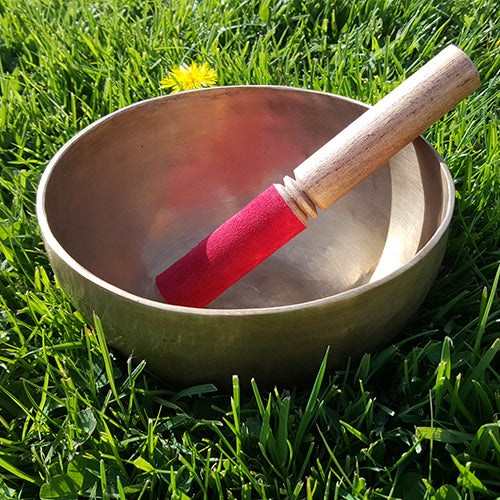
418 419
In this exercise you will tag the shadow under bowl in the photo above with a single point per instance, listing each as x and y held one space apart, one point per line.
134 191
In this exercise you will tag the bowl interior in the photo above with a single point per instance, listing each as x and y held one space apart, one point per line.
136 190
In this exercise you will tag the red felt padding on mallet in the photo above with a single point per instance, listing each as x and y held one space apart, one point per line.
280 213
231 251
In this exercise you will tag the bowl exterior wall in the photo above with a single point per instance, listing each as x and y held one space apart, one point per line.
276 348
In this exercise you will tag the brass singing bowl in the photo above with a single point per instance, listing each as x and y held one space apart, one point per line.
134 191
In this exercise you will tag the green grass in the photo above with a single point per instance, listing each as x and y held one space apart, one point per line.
419 419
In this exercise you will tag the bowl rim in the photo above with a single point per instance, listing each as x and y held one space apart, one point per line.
51 241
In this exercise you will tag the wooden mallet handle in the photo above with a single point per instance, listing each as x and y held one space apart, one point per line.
280 213
382 131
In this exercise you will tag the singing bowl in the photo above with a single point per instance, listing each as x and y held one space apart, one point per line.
134 191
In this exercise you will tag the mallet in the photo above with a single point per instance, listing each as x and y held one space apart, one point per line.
280 212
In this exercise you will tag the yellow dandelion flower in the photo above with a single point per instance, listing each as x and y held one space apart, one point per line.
190 77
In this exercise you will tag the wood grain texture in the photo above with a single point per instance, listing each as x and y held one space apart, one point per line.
383 130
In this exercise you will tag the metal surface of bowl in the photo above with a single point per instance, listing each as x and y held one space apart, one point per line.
135 190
